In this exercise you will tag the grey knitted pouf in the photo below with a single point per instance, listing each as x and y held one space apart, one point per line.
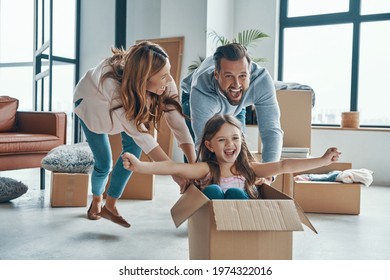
76 158
11 189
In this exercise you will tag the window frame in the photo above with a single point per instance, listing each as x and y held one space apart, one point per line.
352 16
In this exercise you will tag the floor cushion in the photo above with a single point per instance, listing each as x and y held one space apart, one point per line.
76 158
11 189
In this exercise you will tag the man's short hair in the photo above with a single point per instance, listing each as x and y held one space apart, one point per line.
232 52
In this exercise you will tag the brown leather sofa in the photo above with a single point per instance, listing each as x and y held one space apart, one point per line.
35 135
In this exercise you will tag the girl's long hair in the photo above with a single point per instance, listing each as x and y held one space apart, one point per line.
132 69
241 165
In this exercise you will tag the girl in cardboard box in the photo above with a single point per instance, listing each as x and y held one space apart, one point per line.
225 168
128 93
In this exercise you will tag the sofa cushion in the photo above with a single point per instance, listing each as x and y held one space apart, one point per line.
11 189
76 158
22 143
8 108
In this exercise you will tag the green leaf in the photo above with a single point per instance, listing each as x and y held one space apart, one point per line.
195 64
219 39
248 38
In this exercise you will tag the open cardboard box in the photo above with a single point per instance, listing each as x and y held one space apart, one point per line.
327 197
240 229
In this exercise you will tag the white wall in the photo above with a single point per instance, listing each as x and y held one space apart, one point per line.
97 32
143 20
192 19
220 18
263 15
185 18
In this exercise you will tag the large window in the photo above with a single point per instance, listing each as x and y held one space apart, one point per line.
16 50
341 49
55 34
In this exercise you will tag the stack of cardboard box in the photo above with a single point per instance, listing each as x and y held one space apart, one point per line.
312 196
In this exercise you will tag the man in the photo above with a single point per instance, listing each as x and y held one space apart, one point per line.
227 83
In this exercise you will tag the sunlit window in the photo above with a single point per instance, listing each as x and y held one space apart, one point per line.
16 50
342 51
318 7
17 53
374 95
313 57
375 7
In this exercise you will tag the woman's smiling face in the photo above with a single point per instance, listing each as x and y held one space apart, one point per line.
158 82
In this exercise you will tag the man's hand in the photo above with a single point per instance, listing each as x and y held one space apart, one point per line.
267 181
183 183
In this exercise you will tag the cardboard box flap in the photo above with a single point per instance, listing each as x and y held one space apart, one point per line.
338 165
256 215
269 192
190 201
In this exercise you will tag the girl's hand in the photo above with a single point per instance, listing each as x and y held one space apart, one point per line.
331 155
130 161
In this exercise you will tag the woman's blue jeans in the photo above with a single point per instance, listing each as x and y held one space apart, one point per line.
215 192
101 149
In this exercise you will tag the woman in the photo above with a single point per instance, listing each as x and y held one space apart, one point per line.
128 93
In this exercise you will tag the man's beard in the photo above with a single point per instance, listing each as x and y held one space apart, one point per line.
233 102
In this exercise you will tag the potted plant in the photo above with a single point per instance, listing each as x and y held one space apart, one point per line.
248 38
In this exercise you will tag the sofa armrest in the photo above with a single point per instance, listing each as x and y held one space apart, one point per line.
52 123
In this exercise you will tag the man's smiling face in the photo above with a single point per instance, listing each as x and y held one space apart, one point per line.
233 79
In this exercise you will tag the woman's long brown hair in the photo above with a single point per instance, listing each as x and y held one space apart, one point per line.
241 165
132 69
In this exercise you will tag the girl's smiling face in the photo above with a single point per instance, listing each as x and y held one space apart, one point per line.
226 143
159 81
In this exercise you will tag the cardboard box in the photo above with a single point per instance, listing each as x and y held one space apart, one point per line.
328 197
295 117
139 186
69 189
240 229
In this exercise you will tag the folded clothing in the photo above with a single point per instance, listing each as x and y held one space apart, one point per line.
329 177
363 176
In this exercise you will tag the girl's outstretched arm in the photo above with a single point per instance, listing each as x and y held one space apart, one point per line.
185 170
293 165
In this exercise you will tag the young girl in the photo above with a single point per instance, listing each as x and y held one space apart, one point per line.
225 168
127 93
